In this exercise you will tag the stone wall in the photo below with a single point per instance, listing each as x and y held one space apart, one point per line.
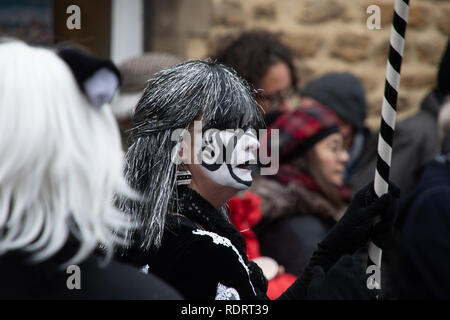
325 35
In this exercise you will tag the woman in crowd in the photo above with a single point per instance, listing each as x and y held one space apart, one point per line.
185 235
60 166
307 196
267 64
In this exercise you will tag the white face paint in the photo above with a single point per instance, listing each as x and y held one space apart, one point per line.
227 155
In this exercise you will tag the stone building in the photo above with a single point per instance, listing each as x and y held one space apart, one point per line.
325 35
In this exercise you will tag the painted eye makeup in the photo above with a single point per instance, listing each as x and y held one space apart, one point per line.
232 165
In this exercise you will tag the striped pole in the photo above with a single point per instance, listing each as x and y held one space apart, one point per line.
388 113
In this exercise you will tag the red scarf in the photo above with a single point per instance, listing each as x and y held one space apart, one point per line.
289 174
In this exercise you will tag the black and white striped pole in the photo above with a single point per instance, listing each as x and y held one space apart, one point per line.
388 114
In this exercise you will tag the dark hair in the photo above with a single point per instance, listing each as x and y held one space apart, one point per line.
252 53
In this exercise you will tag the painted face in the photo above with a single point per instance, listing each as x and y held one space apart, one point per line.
227 155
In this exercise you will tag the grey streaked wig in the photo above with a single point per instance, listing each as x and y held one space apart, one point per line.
172 100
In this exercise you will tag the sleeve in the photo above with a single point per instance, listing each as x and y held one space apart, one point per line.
292 241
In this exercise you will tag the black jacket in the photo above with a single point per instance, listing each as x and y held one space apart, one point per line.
202 255
424 262
200 264
46 280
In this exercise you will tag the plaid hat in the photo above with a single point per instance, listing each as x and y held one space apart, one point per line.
135 74
301 129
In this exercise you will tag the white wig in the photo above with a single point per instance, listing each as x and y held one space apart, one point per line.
60 159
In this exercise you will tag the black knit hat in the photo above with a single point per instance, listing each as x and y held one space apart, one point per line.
444 72
343 93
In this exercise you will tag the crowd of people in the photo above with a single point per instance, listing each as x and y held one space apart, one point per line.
149 177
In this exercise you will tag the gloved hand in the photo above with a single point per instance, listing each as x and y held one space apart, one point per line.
356 226
346 280
352 232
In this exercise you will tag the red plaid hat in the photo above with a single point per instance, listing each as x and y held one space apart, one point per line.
300 129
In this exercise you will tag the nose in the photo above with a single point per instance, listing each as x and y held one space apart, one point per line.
344 156
251 143
285 105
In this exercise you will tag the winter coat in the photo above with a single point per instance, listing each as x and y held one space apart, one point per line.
21 280
415 143
423 268
196 259
295 220
203 256
245 212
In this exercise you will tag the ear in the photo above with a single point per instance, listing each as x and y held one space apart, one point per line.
99 79
185 148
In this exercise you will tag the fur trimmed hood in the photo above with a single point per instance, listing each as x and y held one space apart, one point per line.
279 200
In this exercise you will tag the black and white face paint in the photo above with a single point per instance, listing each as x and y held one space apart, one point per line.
227 156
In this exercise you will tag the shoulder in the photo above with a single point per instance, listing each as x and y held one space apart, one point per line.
429 215
89 280
435 198
420 126
203 245
119 281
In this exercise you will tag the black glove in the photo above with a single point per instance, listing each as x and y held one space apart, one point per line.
346 280
356 226
352 232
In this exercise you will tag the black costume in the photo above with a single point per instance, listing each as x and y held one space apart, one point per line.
424 259
202 256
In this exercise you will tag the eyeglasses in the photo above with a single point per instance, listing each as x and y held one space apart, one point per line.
275 100
338 150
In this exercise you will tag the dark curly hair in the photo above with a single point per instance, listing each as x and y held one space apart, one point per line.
253 52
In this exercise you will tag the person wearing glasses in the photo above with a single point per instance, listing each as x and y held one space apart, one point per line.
267 64
307 196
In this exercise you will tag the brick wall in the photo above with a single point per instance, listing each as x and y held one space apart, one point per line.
325 35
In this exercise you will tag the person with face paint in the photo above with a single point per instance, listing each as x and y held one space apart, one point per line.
193 139
226 156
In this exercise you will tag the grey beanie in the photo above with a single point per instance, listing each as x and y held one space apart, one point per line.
135 74
343 93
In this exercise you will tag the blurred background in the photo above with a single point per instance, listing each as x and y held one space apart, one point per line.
325 35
